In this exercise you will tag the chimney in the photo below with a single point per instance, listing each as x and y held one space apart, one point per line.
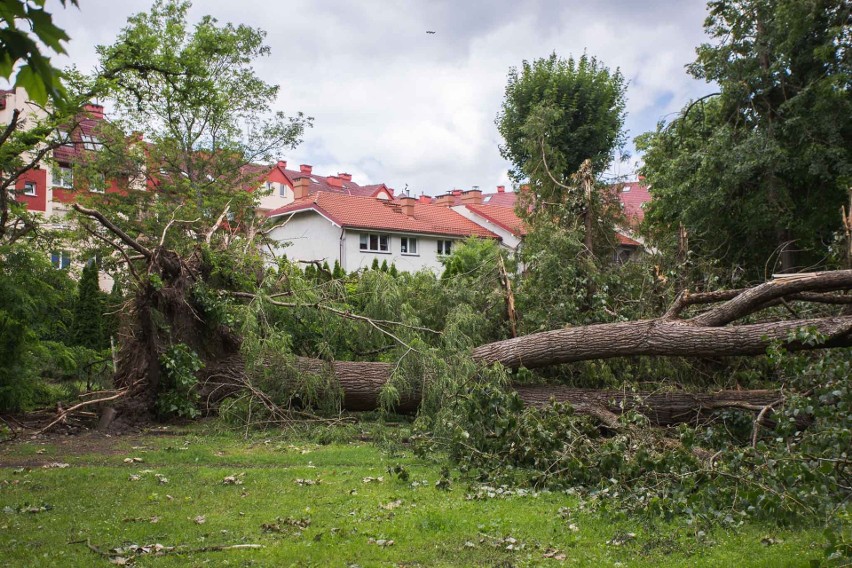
456 192
641 178
472 197
302 188
334 181
282 164
96 111
306 168
406 204
425 199
344 176
501 189
444 200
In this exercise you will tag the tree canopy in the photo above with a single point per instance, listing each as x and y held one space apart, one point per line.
571 110
765 160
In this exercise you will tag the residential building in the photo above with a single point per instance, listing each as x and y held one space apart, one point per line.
354 230
280 182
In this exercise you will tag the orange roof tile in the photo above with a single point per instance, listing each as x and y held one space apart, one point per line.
371 213
501 216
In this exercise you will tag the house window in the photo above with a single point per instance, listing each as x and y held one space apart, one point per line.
61 259
90 142
282 190
374 243
29 188
98 184
63 176
445 247
408 245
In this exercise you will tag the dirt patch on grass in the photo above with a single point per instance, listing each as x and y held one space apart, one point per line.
59 446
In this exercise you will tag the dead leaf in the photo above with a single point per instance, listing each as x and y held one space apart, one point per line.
56 465
392 505
200 520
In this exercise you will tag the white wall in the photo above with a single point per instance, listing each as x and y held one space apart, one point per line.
311 237
275 199
426 257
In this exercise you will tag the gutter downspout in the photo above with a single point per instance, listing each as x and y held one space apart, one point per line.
342 253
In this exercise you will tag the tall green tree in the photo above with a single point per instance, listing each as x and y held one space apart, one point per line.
206 117
757 172
569 110
88 323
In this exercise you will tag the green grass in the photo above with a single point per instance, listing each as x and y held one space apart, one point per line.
95 499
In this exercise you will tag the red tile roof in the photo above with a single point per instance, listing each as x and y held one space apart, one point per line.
320 183
501 216
371 213
633 195
627 241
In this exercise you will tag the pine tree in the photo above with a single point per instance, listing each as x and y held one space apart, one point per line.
375 265
338 272
393 271
384 266
87 325
325 273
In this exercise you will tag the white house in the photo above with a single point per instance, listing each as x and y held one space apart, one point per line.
355 230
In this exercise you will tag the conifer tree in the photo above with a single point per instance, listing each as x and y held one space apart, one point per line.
87 326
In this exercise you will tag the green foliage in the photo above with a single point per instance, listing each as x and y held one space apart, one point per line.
375 265
767 161
87 324
35 311
178 394
338 273
384 267
571 110
206 116
794 471
25 25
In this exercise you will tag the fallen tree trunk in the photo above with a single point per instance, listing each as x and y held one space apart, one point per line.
361 384
656 337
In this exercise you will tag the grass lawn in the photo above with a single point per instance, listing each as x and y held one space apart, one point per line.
307 504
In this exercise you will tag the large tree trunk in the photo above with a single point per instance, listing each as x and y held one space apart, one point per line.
655 337
362 382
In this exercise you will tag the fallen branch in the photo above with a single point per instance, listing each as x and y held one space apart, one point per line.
63 415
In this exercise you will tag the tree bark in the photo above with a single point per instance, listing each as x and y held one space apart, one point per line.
655 337
362 382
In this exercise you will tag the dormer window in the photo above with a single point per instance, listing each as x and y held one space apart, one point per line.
89 142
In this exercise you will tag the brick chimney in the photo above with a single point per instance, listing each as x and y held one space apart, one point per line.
471 197
95 111
444 200
456 192
406 204
344 176
282 164
501 189
334 181
306 168
302 188
425 199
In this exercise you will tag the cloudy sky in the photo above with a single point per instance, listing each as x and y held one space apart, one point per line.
393 104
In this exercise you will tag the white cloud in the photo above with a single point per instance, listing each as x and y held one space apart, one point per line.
393 104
